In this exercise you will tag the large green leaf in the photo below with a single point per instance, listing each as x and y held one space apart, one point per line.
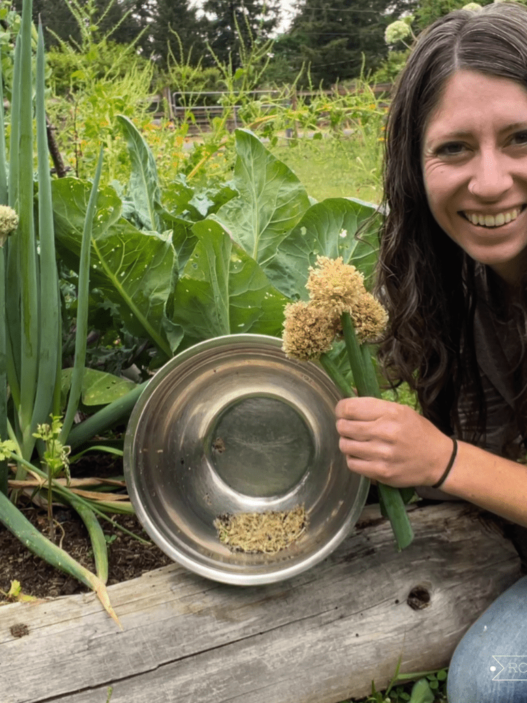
183 239
270 203
144 185
135 270
224 291
98 387
195 202
326 229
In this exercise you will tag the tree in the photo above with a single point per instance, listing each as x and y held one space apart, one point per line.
335 37
171 18
431 10
61 18
231 22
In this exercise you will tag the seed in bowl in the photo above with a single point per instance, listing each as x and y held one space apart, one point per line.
261 533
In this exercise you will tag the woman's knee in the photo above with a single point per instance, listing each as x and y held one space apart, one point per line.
490 662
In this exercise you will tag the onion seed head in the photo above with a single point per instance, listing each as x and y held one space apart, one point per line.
308 331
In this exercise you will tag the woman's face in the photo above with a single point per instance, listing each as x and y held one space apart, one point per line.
474 164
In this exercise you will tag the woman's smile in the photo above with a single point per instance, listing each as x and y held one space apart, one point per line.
475 169
493 221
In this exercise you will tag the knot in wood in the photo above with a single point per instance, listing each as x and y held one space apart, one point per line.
419 597
19 630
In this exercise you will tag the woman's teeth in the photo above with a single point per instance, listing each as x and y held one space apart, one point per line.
493 220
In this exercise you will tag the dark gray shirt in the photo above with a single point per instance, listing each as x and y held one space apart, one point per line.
498 350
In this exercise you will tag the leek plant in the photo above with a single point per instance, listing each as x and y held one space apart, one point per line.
340 305
30 325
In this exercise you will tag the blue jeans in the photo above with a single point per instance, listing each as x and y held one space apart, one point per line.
475 675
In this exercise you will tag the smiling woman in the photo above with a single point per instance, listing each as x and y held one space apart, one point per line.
453 276
475 169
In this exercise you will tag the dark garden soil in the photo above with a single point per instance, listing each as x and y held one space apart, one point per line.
127 556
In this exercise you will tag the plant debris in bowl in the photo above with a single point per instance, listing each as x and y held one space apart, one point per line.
261 533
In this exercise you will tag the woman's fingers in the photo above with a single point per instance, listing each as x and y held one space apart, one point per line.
390 442
356 429
365 409
354 448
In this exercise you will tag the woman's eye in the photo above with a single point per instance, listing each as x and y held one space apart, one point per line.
520 138
451 149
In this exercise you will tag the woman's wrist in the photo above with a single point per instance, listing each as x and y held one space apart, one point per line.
489 481
449 466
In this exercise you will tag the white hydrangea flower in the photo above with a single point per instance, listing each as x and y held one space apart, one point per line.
396 31
8 222
474 6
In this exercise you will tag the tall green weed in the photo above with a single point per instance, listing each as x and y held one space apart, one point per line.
87 119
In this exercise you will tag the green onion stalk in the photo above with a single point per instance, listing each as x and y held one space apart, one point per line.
340 305
35 541
3 374
8 224
30 323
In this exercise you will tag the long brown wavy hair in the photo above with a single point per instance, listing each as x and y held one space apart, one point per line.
424 279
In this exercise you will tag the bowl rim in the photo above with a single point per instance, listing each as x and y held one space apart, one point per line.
274 575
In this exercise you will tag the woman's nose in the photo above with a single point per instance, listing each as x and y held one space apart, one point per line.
492 177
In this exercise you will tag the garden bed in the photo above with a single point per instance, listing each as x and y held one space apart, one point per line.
127 558
318 638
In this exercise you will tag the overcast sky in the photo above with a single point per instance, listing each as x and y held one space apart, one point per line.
287 13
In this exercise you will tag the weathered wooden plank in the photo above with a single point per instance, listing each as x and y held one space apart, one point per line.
318 638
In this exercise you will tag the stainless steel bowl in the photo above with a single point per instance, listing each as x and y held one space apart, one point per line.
232 425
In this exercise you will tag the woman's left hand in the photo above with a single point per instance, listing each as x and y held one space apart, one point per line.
391 443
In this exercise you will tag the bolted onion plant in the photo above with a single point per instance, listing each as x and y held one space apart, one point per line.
30 324
340 305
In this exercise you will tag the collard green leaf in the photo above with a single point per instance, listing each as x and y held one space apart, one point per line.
144 184
177 196
326 229
98 387
223 291
135 270
271 200
195 203
183 238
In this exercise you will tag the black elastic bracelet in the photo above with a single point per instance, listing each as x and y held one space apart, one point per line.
450 465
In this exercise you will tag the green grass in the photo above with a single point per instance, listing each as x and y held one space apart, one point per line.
335 167
429 689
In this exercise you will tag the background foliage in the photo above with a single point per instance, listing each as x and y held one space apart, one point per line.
327 41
